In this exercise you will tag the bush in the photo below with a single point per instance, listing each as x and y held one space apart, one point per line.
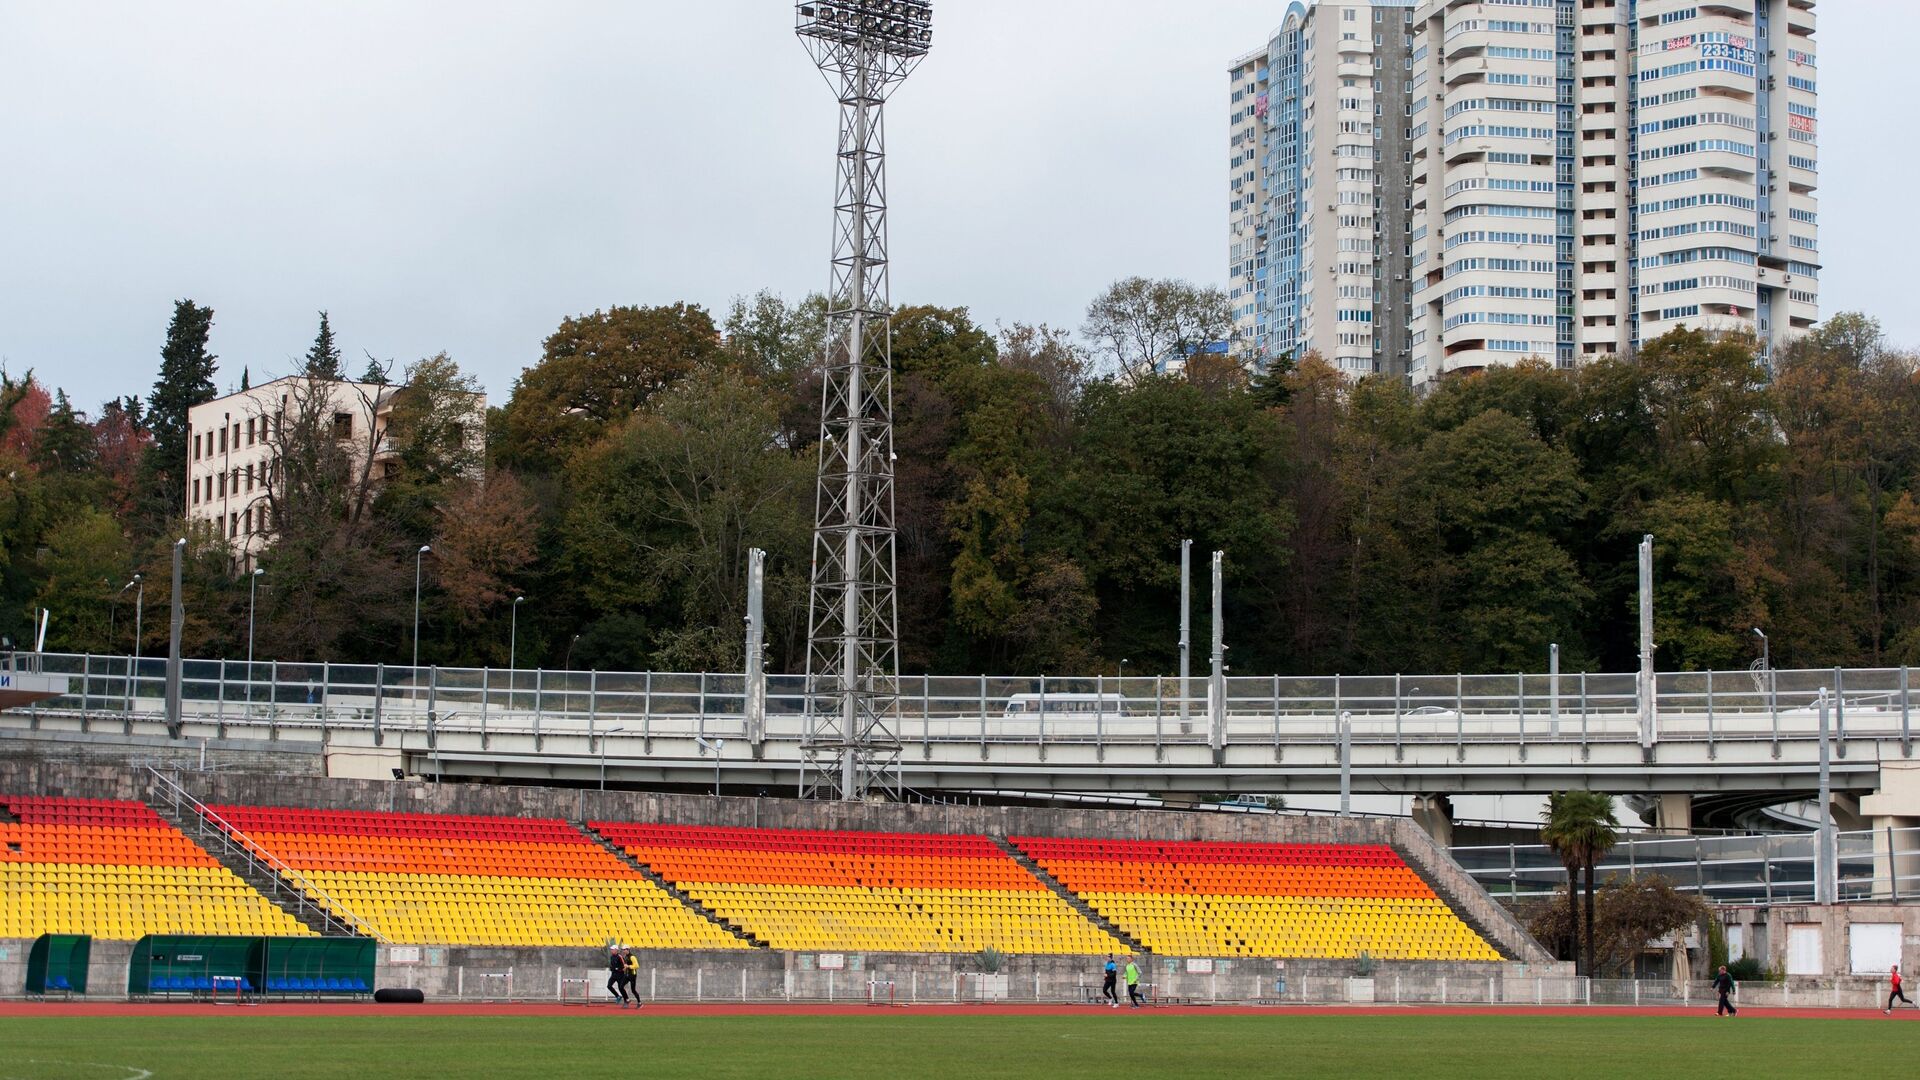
1748 969
990 959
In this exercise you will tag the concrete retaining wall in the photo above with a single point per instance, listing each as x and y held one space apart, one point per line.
455 973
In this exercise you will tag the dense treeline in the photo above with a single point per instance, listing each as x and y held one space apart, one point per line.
1041 500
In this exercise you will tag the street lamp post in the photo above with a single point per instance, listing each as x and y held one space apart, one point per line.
417 556
570 645
603 754
253 588
1766 650
139 619
513 651
715 745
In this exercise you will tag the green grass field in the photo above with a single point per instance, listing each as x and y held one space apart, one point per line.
636 1046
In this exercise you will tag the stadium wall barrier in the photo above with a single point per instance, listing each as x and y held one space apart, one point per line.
1428 858
455 974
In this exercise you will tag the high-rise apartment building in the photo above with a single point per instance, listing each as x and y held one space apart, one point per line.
1317 189
1481 181
1589 174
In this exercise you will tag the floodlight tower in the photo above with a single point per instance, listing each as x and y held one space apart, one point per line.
864 48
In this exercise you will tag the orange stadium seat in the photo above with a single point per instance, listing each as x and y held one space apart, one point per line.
1194 898
863 892
462 880
116 870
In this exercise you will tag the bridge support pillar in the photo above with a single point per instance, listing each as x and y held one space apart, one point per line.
1434 813
1893 812
1673 814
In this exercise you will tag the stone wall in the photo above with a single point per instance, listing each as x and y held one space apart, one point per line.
38 775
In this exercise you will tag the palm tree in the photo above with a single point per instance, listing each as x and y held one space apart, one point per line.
1580 827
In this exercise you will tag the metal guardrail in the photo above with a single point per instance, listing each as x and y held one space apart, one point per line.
1763 869
1400 710
257 858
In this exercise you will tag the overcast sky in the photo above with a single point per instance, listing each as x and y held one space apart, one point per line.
463 174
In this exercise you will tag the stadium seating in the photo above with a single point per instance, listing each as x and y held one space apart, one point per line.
438 879
116 870
1271 900
863 892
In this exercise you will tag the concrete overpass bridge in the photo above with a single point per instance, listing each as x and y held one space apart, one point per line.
1729 736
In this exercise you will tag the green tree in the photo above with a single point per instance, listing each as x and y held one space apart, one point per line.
1710 413
1502 501
1580 827
323 356
185 380
663 514
81 567
776 340
436 431
1154 463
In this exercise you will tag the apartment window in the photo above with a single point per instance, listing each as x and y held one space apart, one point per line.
223 485
233 525
342 425
223 438
196 446
249 476
249 520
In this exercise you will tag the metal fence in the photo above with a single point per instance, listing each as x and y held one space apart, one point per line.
1872 703
1770 868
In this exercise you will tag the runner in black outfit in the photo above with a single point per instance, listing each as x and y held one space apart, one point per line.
617 975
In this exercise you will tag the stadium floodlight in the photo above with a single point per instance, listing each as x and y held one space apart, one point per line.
863 48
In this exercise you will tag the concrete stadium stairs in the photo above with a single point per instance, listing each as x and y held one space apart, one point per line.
284 895
1085 909
672 890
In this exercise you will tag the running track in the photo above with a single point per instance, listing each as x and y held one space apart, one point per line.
316 1008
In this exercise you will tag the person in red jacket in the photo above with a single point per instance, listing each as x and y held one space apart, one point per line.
1896 992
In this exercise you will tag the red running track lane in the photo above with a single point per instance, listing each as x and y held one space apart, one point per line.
359 1008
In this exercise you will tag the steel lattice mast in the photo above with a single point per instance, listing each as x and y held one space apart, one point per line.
864 49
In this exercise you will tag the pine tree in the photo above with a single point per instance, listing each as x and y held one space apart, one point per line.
323 359
376 372
186 380
244 384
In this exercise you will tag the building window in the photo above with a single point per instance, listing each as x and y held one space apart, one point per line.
249 476
342 425
196 446
233 525
223 438
249 519
223 485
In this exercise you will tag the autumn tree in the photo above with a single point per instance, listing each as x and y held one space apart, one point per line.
486 536
598 370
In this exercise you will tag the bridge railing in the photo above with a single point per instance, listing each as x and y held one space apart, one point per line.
1134 709
1767 868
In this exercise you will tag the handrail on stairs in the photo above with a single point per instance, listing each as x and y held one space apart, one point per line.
346 919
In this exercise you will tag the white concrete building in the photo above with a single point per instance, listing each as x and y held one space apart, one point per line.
232 448
1317 188
1589 174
